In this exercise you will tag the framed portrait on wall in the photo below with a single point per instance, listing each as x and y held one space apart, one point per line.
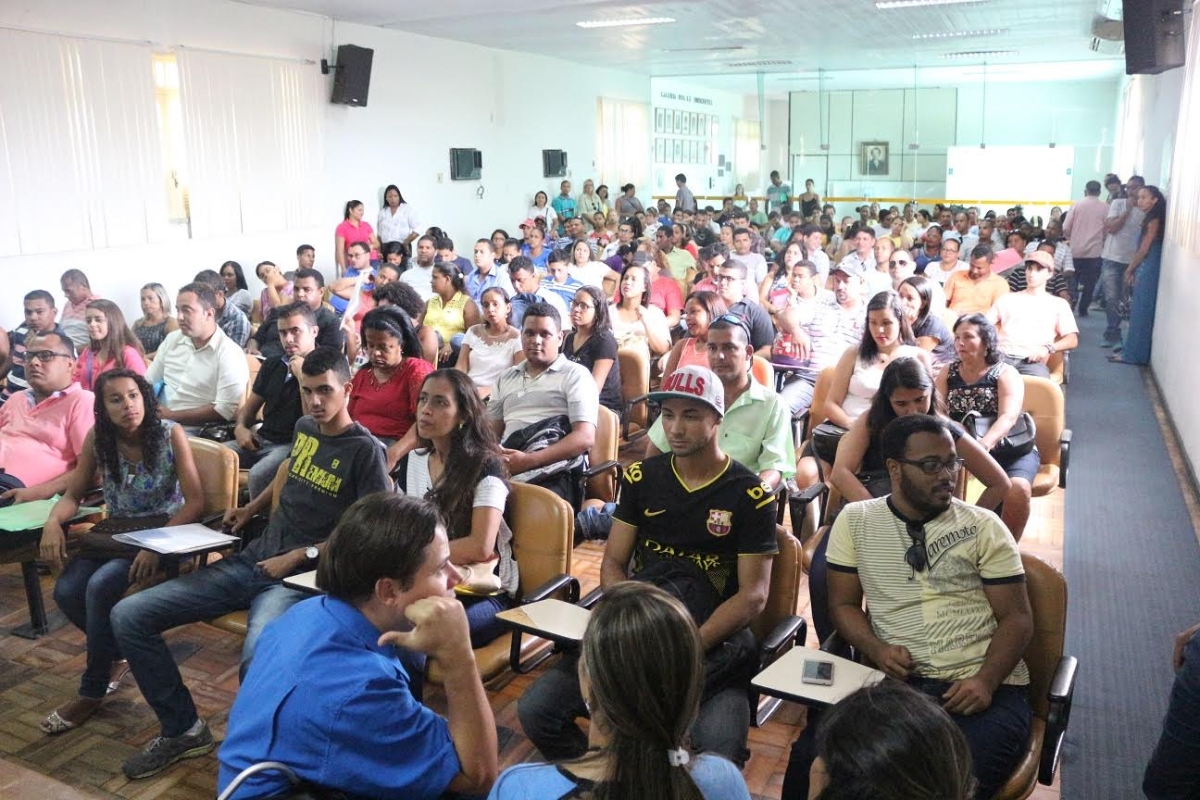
678 151
688 147
658 120
678 126
874 158
660 150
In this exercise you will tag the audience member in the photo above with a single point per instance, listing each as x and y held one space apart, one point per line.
336 672
591 272
78 293
971 665
156 320
112 345
940 271
342 290
420 276
1034 325
641 677
1084 229
1121 228
397 221
880 279
149 480
230 319
335 461
701 308
306 257
491 346
446 255
277 289
448 314
544 409
237 291
39 318
863 255
774 289
665 294
457 465
1174 768
1141 278
351 230
592 345
888 742
487 273
534 248
528 287
729 280
43 427
756 265
976 290
308 288
930 248
635 321
697 521
1013 255
203 372
383 394
276 393
678 260
1057 285
557 278
917 294
901 267
589 203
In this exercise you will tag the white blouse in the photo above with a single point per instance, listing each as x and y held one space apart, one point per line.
396 227
489 359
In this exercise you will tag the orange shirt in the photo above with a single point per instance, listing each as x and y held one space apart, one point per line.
965 296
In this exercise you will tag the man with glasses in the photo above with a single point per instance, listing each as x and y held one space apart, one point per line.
949 611
1034 324
43 427
729 279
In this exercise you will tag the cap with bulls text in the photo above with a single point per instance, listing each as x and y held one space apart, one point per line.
693 383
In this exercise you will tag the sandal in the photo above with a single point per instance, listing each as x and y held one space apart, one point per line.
119 670
56 723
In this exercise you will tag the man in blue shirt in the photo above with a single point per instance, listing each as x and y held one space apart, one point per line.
563 205
329 694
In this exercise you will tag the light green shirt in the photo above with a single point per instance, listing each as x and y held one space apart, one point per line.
756 431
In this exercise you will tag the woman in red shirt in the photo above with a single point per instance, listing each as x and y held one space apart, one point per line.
383 394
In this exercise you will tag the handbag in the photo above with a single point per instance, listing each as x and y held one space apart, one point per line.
480 579
1019 441
218 431
825 438
97 543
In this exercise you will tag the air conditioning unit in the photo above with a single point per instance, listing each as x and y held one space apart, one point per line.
1109 30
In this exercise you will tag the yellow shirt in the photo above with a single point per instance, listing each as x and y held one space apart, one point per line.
447 319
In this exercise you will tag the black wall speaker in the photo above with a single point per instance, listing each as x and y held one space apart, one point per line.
352 79
1154 36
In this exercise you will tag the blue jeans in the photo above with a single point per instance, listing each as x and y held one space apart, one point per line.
1174 770
263 463
1087 272
232 584
1112 284
86 592
549 707
997 738
482 621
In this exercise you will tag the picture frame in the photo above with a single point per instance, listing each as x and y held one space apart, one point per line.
678 126
678 151
696 149
658 120
687 151
660 150
874 158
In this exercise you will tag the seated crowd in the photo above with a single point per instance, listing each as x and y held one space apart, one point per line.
383 416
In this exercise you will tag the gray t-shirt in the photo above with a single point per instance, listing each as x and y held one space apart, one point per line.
326 475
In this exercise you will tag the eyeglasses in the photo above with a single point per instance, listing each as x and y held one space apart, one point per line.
899 262
717 278
45 356
933 466
916 556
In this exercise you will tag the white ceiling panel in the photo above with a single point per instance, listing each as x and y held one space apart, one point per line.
707 37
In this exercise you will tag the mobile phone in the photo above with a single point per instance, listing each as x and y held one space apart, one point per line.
818 672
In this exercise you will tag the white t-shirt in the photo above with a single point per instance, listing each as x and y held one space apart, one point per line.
590 274
935 271
489 359
421 279
1028 322
1121 246
546 213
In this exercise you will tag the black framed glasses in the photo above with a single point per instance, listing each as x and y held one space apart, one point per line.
724 278
45 356
934 466
916 556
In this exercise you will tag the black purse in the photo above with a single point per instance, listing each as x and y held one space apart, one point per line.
825 438
1021 438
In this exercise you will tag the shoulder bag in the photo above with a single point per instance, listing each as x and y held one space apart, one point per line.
1019 441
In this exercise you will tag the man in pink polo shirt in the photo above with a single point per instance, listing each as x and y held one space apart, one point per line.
42 428
1085 231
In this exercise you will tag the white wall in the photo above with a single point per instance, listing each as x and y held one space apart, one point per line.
1173 355
693 96
426 96
1078 113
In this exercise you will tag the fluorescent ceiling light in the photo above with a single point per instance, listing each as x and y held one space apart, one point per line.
884 4
979 53
623 23
959 34
765 63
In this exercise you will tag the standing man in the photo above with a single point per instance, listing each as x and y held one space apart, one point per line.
1121 228
39 318
203 372
778 193
307 288
693 517
563 205
1085 231
946 589
684 199
335 461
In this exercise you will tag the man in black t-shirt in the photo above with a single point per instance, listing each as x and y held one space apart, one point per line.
276 392
308 287
697 506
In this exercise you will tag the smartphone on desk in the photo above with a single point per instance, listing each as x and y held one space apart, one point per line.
817 672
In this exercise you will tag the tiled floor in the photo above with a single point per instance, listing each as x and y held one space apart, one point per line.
36 676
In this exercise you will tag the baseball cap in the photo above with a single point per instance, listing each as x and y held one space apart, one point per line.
529 223
851 269
1042 258
693 383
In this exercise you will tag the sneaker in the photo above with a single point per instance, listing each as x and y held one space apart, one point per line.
164 751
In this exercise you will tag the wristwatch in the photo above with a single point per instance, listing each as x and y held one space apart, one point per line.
1051 349
311 553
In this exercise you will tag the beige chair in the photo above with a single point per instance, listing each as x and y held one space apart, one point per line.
218 468
778 628
634 364
604 470
1045 403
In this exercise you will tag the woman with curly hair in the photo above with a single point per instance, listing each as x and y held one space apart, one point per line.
457 465
149 477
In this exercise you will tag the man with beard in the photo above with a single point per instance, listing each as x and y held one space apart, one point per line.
949 612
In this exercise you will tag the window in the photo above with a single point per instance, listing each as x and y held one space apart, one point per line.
1128 152
1183 206
747 152
170 129
622 144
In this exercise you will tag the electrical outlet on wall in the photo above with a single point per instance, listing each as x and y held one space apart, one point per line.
441 177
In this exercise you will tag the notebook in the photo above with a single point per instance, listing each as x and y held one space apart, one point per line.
178 539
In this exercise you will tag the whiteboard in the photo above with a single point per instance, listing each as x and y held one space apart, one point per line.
1009 173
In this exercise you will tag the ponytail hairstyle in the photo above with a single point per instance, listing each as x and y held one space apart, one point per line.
644 665
395 323
450 270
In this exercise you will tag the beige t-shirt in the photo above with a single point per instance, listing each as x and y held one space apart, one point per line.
941 614
1028 322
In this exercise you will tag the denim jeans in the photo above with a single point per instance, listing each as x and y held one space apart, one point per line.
232 584
997 738
549 707
798 394
262 463
86 592
1112 284
1174 770
1087 272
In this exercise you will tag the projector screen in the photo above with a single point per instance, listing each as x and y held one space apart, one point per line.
1011 174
